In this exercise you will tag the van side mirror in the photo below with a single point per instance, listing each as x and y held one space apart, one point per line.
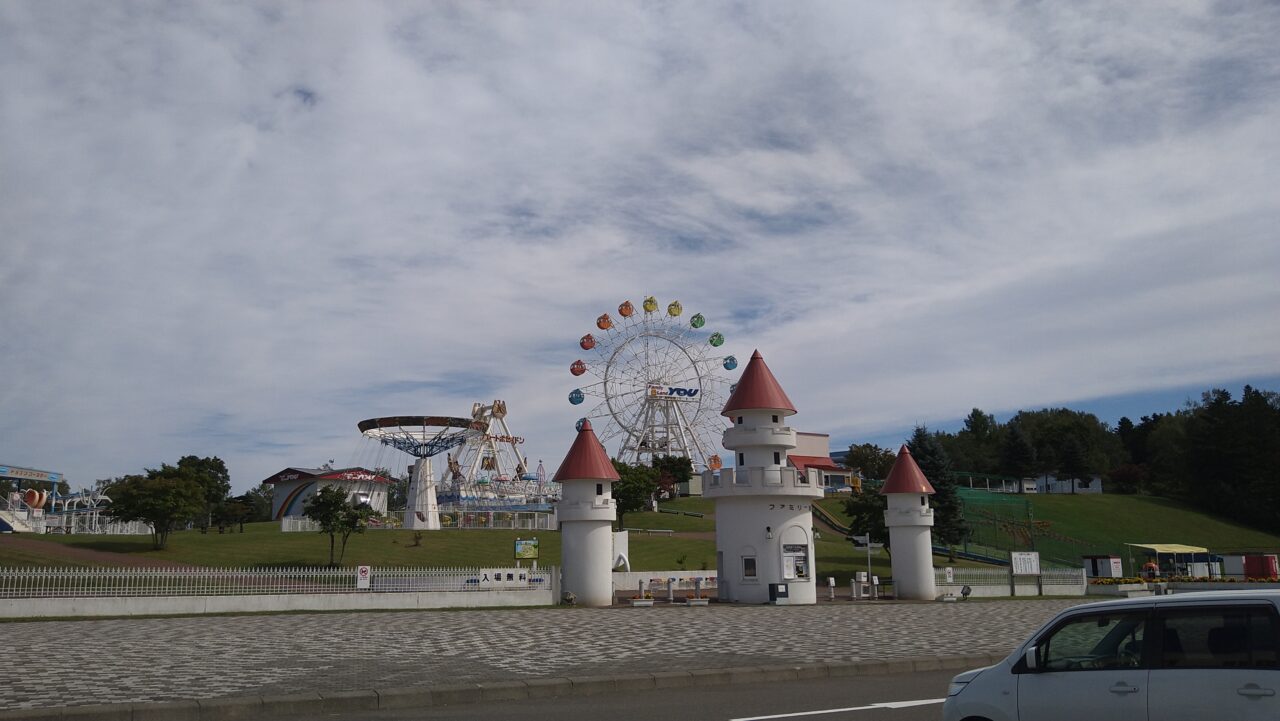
1029 659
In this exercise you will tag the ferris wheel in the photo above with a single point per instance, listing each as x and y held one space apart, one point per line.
659 383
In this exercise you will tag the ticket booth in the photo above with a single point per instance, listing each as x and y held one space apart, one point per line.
795 561
1103 567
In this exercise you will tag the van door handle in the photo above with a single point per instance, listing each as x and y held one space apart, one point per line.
1252 689
1123 688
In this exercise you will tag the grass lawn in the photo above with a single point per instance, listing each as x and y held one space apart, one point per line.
1107 522
263 544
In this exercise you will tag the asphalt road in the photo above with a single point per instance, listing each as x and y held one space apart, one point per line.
833 699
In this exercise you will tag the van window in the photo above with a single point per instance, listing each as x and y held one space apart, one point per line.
1221 637
1095 641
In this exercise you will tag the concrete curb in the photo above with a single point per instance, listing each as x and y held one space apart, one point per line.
233 708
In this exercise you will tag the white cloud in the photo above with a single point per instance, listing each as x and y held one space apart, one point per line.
238 230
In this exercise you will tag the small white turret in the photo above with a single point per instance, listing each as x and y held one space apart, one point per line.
909 519
586 512
764 520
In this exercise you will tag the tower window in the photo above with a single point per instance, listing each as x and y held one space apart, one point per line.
923 500
777 458
775 419
742 459
599 489
739 420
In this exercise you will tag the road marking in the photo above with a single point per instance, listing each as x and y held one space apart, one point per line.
886 704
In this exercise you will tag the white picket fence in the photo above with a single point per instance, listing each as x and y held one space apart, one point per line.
996 582
191 581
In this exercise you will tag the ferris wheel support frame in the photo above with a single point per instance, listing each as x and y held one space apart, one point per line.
422 511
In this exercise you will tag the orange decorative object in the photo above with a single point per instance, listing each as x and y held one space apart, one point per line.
626 310
587 342
30 497
604 322
578 368
714 463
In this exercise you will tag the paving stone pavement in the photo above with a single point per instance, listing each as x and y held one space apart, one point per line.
69 663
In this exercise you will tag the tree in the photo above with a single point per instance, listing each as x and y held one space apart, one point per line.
672 471
634 489
977 446
259 500
866 514
232 512
949 526
1017 455
1072 463
872 460
337 516
214 481
398 491
166 498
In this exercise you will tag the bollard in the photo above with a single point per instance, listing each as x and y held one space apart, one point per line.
831 587
671 590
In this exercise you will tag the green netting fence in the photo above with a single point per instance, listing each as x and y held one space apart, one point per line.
1006 522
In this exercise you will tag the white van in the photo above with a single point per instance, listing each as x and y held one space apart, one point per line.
1194 657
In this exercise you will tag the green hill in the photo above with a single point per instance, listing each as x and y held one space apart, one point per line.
1065 527
1068 526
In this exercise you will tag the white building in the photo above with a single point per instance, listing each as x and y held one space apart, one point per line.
293 486
764 519
909 519
586 512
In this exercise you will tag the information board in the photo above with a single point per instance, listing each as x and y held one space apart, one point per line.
1025 563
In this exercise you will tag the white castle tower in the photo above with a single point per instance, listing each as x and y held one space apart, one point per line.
909 519
764 522
586 512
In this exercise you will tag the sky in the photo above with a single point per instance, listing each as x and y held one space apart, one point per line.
237 229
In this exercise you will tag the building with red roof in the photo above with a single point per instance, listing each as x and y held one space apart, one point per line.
293 486
909 518
586 512
764 517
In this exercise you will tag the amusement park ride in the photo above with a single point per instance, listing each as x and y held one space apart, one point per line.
86 511
660 384
484 468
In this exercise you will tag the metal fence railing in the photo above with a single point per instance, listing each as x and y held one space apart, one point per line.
509 520
1000 576
156 582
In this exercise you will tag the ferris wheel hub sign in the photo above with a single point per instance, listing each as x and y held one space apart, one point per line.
672 392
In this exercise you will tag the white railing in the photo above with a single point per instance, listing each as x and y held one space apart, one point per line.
509 520
154 582
1000 576
298 524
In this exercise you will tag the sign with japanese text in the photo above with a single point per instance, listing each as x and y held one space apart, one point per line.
1025 563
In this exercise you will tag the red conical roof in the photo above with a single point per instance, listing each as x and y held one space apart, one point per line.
758 390
906 476
586 460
